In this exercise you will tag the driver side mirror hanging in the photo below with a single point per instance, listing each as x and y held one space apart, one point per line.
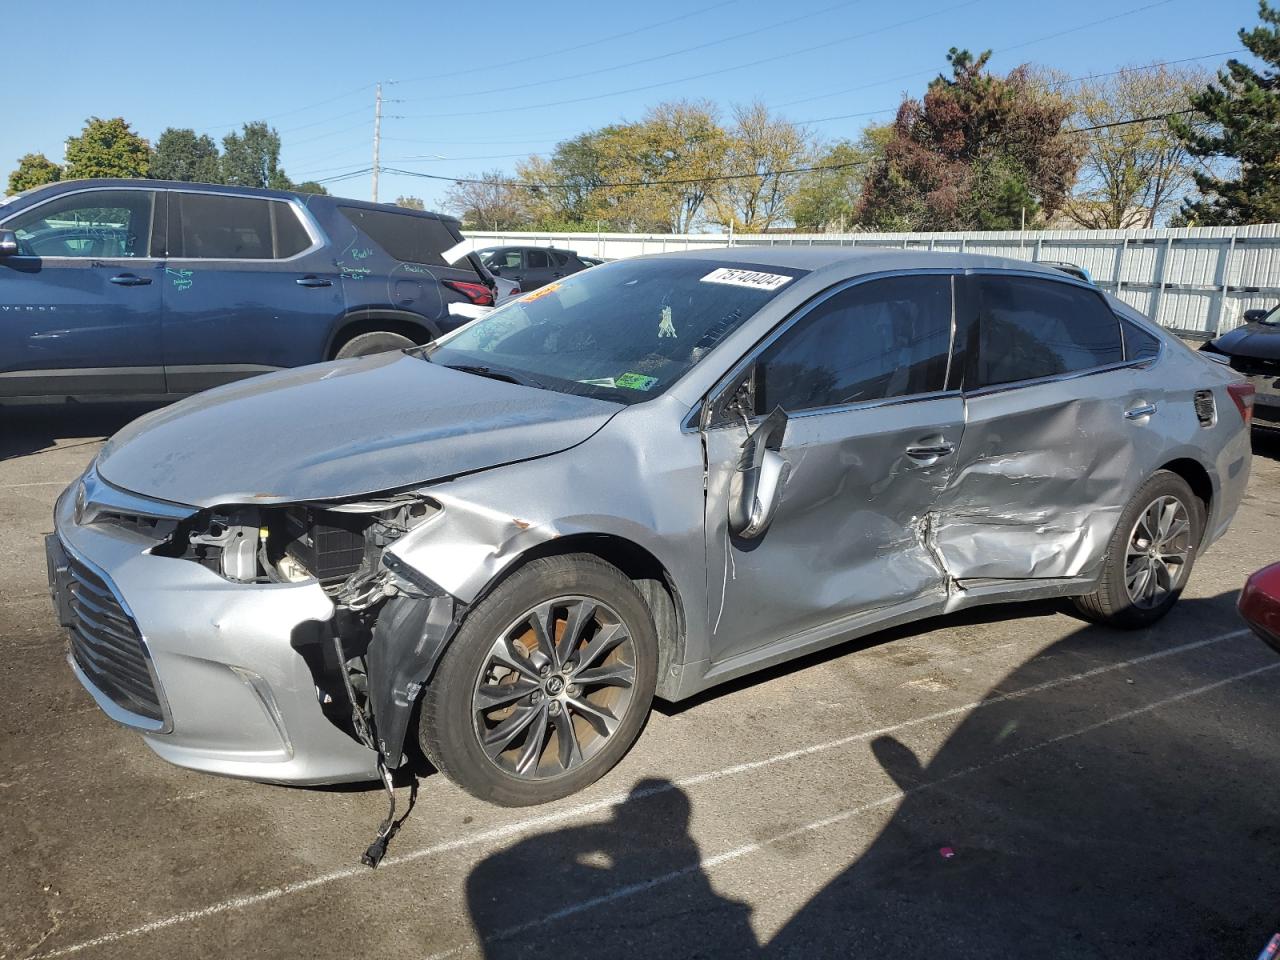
755 490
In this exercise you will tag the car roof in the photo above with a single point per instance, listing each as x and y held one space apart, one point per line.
854 261
67 186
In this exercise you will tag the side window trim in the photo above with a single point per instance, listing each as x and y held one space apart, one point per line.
174 225
719 395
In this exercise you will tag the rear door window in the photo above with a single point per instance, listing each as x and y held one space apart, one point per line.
103 224
404 236
536 259
212 226
876 340
1029 328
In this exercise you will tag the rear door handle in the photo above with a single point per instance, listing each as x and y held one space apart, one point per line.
930 451
1137 413
314 282
130 280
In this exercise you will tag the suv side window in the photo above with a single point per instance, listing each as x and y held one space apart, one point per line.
1030 328
104 224
214 226
876 340
536 260
404 236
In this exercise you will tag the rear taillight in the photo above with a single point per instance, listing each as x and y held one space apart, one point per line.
477 293
1242 394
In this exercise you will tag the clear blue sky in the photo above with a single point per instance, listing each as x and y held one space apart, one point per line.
482 84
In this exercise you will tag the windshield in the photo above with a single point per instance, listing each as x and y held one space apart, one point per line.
622 331
1272 318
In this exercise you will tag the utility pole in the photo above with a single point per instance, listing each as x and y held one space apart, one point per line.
377 137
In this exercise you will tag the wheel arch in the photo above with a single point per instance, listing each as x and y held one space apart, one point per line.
1199 480
416 327
651 577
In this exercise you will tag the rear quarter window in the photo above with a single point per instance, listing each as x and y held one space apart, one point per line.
1138 344
404 236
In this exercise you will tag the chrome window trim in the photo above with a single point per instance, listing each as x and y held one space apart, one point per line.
72 193
309 224
741 366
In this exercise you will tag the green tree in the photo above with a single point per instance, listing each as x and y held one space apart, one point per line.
310 186
762 144
1242 111
106 148
827 199
411 203
977 152
251 158
34 169
182 154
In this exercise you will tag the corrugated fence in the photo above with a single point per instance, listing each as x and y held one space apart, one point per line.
1198 280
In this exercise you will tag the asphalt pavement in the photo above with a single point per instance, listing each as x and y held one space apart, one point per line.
1007 782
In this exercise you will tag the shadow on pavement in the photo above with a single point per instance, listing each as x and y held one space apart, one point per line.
1037 829
1266 443
34 429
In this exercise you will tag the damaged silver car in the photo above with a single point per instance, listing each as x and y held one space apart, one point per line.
641 481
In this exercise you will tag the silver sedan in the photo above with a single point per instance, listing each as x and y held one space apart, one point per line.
644 480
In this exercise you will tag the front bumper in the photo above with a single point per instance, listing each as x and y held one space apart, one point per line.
228 693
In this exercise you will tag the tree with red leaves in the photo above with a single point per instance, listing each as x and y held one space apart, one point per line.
977 153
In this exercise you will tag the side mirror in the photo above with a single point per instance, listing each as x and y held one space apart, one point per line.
1250 316
8 243
756 487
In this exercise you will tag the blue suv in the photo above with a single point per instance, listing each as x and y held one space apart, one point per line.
149 288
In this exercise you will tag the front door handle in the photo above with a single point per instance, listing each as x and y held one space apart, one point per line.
314 282
130 280
930 452
1138 413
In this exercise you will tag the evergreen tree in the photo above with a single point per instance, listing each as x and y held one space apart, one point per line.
1243 113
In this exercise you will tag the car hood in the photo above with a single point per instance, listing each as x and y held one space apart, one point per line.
1258 340
342 429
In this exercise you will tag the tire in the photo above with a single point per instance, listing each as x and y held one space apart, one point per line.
1137 600
376 341
571 710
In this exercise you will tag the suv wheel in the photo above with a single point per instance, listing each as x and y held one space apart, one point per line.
1150 555
376 341
546 685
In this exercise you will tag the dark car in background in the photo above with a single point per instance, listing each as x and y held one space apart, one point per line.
531 267
141 288
1254 350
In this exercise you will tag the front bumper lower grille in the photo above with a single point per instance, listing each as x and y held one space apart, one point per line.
106 643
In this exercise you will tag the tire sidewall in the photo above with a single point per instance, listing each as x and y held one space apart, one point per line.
1163 483
376 341
446 730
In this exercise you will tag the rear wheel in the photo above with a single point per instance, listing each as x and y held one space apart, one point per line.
376 341
1150 555
546 685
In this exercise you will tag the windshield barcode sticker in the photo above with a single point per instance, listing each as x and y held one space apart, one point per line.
746 278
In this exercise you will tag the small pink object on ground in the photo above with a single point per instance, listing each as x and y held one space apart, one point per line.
947 853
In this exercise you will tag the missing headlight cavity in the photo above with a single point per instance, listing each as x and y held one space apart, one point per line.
337 544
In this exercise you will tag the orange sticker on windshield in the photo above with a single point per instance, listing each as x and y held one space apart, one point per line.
540 293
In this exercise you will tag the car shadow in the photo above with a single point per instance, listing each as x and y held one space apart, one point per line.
1116 816
39 428
1266 442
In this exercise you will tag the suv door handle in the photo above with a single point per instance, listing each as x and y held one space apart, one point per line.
130 280
930 451
1137 413
314 282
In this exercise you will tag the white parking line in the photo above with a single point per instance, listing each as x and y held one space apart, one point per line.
739 852
519 827
35 483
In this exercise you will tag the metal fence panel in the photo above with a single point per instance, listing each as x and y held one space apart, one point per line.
1198 280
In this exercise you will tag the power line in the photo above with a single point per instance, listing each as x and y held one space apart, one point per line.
708 73
661 56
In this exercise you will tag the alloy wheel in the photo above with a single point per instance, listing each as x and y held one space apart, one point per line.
554 687
1158 552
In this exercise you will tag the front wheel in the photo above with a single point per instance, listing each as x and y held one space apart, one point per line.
1150 556
546 685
